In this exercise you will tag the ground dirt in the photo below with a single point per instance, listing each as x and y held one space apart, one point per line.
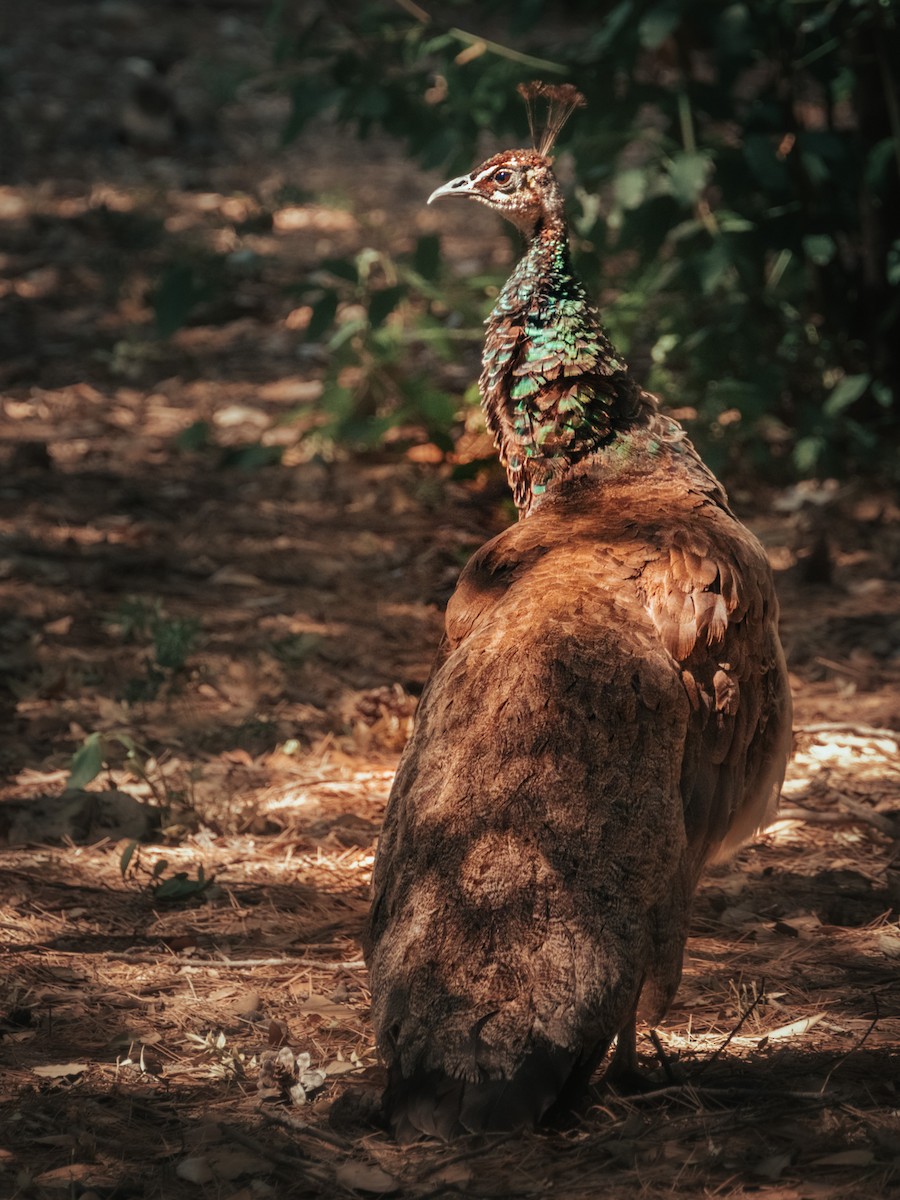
255 639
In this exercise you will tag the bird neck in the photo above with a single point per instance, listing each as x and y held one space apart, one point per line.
553 388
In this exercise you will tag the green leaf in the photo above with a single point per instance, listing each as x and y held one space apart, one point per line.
308 98
338 401
819 248
689 173
732 223
659 23
87 763
179 887
880 164
195 437
126 857
892 266
176 295
343 268
845 393
436 406
883 394
769 171
322 316
383 303
346 332
253 457
611 26
473 468
713 267
427 257
807 453
630 187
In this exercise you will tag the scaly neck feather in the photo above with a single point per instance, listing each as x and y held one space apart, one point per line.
553 388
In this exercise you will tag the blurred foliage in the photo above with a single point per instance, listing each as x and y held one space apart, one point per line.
736 200
374 312
168 641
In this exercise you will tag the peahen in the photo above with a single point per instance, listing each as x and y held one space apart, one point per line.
609 711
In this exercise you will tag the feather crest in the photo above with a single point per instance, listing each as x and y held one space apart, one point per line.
561 100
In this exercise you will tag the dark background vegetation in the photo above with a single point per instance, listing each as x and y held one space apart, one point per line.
735 196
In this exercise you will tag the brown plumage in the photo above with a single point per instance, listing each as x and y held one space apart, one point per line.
608 712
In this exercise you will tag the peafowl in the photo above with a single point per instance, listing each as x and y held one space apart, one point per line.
609 711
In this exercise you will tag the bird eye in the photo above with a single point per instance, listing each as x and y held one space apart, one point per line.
502 176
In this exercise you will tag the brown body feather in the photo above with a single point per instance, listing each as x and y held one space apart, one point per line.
608 712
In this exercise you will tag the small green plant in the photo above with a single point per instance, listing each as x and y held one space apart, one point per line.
100 750
382 320
171 641
198 438
172 888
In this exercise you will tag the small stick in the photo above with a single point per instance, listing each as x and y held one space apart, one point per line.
668 1069
864 813
761 995
848 727
266 1152
295 1125
853 1049
492 1142
855 812
811 817
688 1089
353 964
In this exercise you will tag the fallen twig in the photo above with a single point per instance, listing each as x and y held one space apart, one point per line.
295 1125
864 813
853 1049
757 1000
353 964
848 727
855 812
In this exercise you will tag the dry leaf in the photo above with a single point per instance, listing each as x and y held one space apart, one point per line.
862 1157
62 1177
232 1164
61 1070
453 1175
803 1025
278 1033
246 1004
323 1007
56 1139
340 1067
362 1177
231 576
195 1170
150 1063
772 1166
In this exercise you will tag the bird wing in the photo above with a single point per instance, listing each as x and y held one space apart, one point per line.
709 592
705 584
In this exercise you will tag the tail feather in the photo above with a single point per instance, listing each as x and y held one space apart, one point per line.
431 1103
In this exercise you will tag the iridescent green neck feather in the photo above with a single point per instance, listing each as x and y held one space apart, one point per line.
554 390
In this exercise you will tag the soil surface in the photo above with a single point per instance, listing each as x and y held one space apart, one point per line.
240 642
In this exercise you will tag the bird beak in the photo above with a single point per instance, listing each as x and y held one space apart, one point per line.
463 186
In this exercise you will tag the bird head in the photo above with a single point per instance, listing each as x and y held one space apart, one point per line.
517 184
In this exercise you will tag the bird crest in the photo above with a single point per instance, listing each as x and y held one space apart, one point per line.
549 106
